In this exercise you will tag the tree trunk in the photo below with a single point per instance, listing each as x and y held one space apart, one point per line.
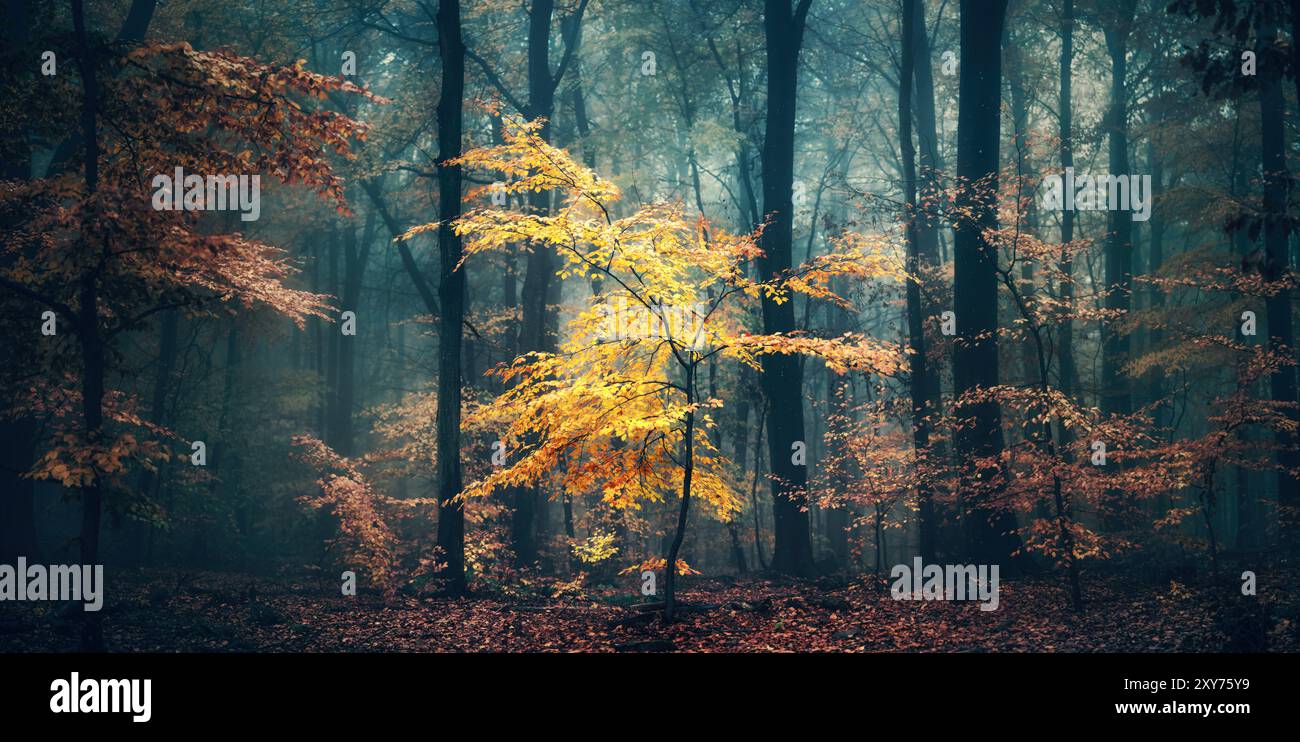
17 493
533 334
924 380
1065 350
991 529
17 435
355 258
688 471
92 347
753 491
167 350
223 462
927 220
1250 519
330 391
783 374
1024 187
92 409
451 294
1156 378
1281 336
1116 395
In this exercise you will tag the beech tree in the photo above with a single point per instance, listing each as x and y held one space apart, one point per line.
637 382
105 261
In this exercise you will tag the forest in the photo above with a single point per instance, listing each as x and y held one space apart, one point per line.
649 326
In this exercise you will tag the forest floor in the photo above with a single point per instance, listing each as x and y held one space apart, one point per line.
222 612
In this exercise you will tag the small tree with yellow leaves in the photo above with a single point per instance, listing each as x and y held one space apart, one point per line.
618 408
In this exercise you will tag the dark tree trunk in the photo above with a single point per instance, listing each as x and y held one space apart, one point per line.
924 380
991 529
148 481
684 509
744 388
1295 47
92 346
1116 394
753 491
540 272
737 547
783 374
838 519
930 182
1156 378
451 293
17 493
1281 335
582 122
329 402
223 461
92 409
137 20
355 258
1250 518
1067 377
716 439
17 162
1013 52
18 435
133 30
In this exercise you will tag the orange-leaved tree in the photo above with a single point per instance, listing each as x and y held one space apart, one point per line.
96 250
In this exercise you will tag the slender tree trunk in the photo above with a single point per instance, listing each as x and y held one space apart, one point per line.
92 347
1156 378
355 258
17 435
1024 188
17 493
1116 394
1066 380
924 380
329 403
930 181
1250 520
223 462
1281 335
838 519
540 272
451 294
753 492
578 99
683 511
148 480
716 439
92 407
1295 47
744 385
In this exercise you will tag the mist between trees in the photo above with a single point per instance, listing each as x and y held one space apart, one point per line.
614 301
